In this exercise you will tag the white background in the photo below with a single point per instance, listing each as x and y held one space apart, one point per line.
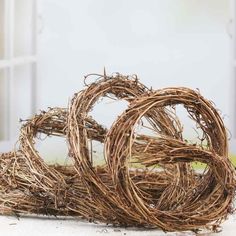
166 43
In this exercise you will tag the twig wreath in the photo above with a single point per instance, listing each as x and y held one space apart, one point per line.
173 196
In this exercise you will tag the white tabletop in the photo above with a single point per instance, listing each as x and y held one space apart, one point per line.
45 226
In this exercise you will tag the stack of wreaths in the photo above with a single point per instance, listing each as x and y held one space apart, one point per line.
172 196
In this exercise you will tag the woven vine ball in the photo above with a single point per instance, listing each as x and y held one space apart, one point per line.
172 196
